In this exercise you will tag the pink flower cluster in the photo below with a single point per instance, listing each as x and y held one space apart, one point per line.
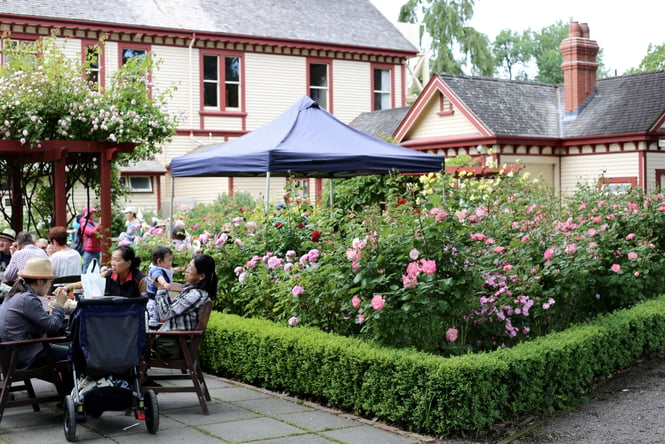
410 279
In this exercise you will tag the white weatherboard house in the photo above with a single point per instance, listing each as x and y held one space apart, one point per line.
567 134
236 66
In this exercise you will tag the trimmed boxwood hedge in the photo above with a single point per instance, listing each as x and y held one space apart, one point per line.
425 393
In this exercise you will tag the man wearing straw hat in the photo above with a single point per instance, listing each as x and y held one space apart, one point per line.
22 315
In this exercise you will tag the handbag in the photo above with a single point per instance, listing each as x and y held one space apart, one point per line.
93 282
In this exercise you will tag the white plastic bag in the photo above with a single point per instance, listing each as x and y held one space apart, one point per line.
93 282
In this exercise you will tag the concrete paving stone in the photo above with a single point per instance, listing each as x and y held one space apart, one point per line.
316 420
367 435
188 435
235 393
218 412
252 430
300 439
272 406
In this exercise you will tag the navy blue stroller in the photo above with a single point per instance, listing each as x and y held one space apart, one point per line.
107 344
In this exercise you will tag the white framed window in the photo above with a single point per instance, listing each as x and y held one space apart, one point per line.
137 184
300 186
92 57
382 88
617 185
221 81
319 83
130 52
12 43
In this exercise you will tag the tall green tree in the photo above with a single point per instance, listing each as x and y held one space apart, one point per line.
545 50
653 61
454 45
512 53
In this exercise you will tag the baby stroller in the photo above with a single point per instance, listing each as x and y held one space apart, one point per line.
107 344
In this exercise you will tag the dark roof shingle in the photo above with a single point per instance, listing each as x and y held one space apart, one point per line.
340 22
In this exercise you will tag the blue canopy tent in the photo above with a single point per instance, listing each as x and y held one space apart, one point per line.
304 141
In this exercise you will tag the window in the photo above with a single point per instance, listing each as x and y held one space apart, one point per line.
221 81
445 106
137 184
131 52
319 84
12 43
617 185
300 187
382 87
92 57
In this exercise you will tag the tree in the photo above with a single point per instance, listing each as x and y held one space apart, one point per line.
454 45
545 50
653 61
512 53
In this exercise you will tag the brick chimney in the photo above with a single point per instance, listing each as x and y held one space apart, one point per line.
579 65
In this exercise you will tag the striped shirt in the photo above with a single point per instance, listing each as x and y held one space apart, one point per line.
183 311
18 260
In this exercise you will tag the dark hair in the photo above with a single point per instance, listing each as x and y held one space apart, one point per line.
24 238
205 264
20 286
129 255
59 234
160 252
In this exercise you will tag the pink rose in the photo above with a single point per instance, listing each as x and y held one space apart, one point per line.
377 302
355 301
632 255
615 268
451 334
548 254
293 321
297 291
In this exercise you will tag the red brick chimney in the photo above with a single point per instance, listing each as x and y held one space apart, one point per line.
579 65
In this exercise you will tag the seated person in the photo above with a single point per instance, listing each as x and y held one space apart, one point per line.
26 249
182 311
65 261
123 278
22 315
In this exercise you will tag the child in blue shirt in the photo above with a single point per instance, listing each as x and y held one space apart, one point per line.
160 271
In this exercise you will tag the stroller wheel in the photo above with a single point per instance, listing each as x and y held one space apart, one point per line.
151 407
69 413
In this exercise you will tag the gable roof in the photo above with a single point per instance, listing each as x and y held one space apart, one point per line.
625 104
620 105
380 123
341 22
509 107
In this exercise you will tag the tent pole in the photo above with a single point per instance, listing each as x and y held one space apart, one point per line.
171 208
267 190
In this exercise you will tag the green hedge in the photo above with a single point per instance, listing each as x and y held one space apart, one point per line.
425 393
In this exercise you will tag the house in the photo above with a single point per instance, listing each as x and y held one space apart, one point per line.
567 134
236 66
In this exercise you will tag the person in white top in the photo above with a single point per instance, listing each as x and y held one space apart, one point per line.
66 261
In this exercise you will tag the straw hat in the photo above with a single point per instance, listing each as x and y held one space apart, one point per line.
8 234
38 268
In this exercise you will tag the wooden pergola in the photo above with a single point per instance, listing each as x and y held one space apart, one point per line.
55 151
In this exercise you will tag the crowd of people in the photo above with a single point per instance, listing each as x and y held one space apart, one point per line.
27 272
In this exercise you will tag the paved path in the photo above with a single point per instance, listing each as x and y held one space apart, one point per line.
238 413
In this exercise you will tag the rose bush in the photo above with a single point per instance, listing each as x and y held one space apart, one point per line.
457 265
